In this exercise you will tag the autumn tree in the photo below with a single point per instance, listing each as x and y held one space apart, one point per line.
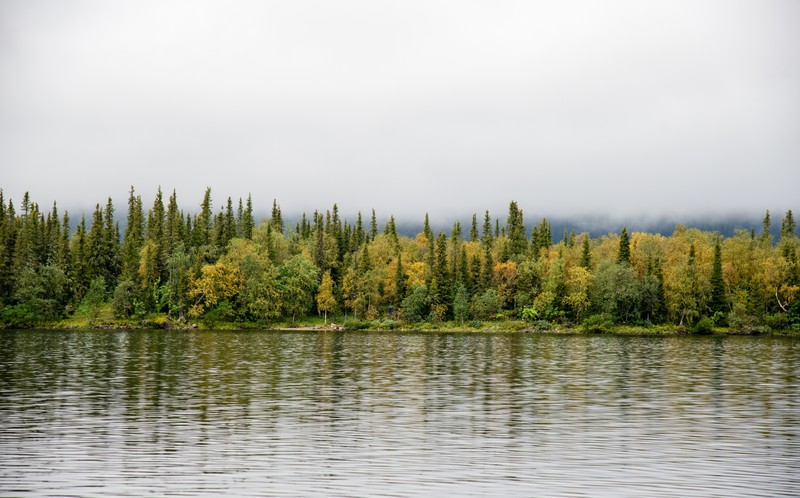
326 301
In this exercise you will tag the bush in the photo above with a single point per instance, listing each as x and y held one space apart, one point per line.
353 324
703 326
17 316
542 325
778 321
597 323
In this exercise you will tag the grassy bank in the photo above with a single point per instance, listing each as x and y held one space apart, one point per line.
103 318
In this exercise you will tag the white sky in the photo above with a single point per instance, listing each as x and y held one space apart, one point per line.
569 107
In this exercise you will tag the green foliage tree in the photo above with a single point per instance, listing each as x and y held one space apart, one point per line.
717 301
624 253
461 304
297 281
326 300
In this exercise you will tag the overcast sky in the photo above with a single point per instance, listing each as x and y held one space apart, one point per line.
621 108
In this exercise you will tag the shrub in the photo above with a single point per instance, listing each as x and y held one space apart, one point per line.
777 321
703 326
597 323
17 316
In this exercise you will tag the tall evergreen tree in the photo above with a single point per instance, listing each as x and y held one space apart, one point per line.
487 238
788 226
358 232
718 301
174 226
765 226
426 230
586 253
515 225
134 237
277 218
624 254
373 226
473 231
203 222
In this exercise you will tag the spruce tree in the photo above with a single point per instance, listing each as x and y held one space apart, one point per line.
788 226
517 240
624 254
174 225
473 231
487 238
359 232
203 222
586 253
134 237
277 217
426 230
373 227
766 238
717 302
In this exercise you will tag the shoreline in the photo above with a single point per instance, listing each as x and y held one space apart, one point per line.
399 327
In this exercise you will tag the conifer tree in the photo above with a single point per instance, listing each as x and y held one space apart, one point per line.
788 226
766 238
473 231
229 229
487 238
277 218
359 232
174 225
475 273
134 237
80 257
718 301
203 222
586 253
517 240
426 230
373 227
624 254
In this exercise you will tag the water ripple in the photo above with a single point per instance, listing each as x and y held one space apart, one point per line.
396 414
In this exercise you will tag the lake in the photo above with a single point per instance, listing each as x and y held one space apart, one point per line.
257 413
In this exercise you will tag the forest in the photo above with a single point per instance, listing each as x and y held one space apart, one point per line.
212 266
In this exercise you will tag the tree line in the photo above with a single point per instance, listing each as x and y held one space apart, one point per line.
220 265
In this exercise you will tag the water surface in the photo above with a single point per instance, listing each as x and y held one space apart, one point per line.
363 413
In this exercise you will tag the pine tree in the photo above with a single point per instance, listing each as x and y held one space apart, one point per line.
765 225
624 254
174 226
134 237
718 302
203 222
277 218
788 226
586 253
473 231
487 238
517 240
475 273
359 232
426 230
373 227
81 265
